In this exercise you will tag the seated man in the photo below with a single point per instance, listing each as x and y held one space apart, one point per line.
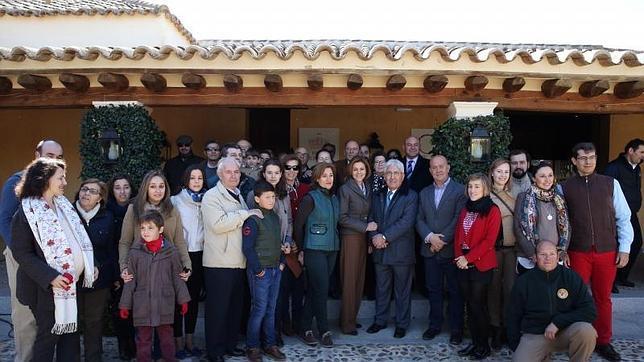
550 310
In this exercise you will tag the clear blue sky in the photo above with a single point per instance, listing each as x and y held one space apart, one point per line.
613 24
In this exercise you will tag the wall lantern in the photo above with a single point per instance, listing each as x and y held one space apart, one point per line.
110 146
480 145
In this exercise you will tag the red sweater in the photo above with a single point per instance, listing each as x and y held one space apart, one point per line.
480 239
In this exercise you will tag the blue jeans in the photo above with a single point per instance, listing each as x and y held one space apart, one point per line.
437 270
263 292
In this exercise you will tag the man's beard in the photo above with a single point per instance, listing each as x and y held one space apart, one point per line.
518 173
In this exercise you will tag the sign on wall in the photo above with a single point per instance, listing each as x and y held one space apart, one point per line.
314 138
424 136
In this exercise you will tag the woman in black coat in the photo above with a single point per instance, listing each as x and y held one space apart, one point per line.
99 224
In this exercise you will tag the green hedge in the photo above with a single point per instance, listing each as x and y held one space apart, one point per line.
452 139
140 138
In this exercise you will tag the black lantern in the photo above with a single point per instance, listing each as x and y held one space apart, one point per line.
110 146
480 145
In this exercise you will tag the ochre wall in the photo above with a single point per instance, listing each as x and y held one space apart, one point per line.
623 128
357 123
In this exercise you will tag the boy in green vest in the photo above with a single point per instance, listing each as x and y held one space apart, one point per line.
262 246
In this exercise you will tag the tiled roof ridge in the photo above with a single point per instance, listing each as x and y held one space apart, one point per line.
41 8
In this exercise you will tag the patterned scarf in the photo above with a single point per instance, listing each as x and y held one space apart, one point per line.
530 214
51 239
196 196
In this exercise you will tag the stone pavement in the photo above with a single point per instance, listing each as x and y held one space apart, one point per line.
628 308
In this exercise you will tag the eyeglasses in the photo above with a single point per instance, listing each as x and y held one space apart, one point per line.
90 191
210 149
292 168
592 158
183 144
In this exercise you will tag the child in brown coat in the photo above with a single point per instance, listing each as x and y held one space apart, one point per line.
155 289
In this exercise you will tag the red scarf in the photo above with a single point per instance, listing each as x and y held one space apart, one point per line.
154 245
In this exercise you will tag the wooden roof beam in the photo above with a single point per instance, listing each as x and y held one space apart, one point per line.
35 83
273 82
194 81
154 82
475 83
5 85
114 81
513 85
632 89
553 88
435 83
315 81
74 82
354 82
396 82
593 88
233 83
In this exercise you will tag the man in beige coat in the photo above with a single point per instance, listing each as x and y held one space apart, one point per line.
224 212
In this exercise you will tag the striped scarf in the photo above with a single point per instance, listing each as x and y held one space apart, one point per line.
530 214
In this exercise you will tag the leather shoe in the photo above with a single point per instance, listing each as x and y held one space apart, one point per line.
456 338
607 352
308 338
236 352
480 354
254 355
430 334
375 328
466 351
400 332
274 353
625 283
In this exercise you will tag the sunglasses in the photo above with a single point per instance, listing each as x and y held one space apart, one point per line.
292 168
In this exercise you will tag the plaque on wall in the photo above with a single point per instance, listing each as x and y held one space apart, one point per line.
424 136
314 138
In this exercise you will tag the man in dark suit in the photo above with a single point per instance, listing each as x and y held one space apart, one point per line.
351 150
416 166
394 210
439 206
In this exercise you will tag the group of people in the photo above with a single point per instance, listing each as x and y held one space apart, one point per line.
261 235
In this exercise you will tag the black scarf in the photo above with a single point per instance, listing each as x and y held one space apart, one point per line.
481 206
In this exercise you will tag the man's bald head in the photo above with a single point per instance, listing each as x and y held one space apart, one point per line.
50 149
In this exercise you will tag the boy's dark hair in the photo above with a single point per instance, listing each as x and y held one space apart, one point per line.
252 152
634 144
152 216
262 186
585 146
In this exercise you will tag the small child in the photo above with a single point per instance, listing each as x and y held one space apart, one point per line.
262 246
155 289
252 166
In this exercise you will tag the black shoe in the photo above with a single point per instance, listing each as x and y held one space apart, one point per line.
614 290
480 354
625 283
236 352
456 338
279 342
607 352
467 350
400 332
308 338
375 328
430 334
326 340
216 359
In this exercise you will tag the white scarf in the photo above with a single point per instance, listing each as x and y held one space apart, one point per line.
53 242
87 215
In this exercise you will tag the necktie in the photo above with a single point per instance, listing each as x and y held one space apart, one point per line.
410 167
390 194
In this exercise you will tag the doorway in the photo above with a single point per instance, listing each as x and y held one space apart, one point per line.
270 128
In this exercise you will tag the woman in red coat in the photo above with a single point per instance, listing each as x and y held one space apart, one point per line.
476 231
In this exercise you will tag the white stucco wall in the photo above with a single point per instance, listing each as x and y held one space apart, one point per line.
89 30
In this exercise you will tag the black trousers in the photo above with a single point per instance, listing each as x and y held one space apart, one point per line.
636 246
65 346
290 301
194 284
123 328
474 285
318 266
91 308
224 297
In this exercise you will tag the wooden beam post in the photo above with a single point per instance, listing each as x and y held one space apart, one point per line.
396 82
593 88
74 82
632 89
35 83
315 81
354 82
273 82
5 85
475 83
553 88
193 81
233 83
435 83
512 85
154 82
113 81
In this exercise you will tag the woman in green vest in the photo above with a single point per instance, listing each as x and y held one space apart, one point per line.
316 233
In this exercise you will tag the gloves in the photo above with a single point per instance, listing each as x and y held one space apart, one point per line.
184 308
124 313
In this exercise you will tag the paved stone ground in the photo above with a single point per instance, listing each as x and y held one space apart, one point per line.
628 321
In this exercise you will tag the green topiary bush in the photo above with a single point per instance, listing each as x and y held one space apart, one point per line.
141 141
452 139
